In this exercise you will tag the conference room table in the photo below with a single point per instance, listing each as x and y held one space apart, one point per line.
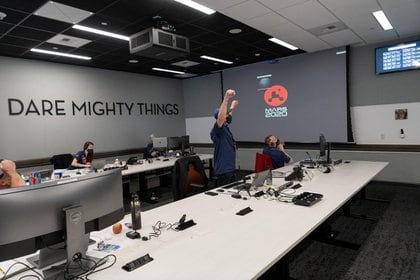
222 244
132 173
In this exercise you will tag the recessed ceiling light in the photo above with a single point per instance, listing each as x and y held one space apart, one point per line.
133 61
235 31
167 70
196 6
55 48
101 32
257 54
216 59
104 23
283 43
61 54
382 19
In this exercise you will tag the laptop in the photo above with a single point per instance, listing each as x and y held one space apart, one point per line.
98 164
259 178
257 182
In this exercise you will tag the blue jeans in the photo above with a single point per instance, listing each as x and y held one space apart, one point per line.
225 178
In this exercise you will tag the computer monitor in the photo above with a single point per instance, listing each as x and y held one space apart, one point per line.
57 217
160 143
185 142
174 143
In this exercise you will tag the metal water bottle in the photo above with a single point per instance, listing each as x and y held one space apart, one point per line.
135 212
269 179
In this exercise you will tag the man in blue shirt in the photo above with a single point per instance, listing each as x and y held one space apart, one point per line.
275 149
224 143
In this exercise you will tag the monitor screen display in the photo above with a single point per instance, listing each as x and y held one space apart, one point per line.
33 216
400 57
174 143
160 143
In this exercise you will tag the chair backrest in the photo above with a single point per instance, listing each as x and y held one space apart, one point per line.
187 172
62 161
263 162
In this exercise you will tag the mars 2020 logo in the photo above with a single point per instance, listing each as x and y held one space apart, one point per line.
275 96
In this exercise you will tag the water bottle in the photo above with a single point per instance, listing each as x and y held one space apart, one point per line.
135 212
269 179
38 178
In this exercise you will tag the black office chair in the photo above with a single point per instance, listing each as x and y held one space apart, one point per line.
61 161
188 177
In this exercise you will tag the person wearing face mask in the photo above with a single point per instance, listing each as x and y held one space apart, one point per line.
275 149
9 177
83 159
224 143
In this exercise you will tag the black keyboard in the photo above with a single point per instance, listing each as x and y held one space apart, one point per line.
137 262
307 198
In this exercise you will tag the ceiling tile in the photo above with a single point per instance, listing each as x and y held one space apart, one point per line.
22 5
13 16
317 16
6 49
266 21
405 18
5 27
93 6
341 38
246 10
68 41
30 33
105 23
20 42
276 5
61 12
220 4
45 24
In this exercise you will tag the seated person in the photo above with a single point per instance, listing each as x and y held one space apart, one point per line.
84 158
9 177
275 149
150 151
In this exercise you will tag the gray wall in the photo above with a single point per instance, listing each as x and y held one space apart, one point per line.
30 136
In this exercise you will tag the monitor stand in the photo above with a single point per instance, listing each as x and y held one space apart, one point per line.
73 250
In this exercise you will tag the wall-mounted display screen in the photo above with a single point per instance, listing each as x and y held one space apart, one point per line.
296 98
397 58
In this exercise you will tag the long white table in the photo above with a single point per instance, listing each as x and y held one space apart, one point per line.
157 164
224 245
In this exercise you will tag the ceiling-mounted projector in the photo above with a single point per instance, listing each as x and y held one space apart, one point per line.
159 44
